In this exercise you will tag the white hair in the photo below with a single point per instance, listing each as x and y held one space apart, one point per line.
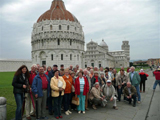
91 70
133 67
129 83
34 65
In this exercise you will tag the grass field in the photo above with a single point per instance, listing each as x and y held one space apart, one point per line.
6 90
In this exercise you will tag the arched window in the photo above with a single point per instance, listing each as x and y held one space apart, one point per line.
60 27
61 56
50 27
42 28
58 41
51 56
75 28
78 57
70 56
68 27
70 42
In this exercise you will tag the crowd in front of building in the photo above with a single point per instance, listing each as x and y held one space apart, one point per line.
42 86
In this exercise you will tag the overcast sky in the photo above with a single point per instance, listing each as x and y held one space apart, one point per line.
137 21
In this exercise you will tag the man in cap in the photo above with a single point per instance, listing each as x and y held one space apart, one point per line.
108 91
95 79
96 96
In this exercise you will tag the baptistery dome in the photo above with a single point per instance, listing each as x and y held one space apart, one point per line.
57 37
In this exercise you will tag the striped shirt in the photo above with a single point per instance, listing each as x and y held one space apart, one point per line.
81 80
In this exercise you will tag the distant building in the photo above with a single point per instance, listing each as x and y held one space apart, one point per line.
140 62
153 61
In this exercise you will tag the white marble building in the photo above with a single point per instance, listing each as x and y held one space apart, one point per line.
58 38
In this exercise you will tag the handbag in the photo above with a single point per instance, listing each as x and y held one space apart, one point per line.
75 101
73 89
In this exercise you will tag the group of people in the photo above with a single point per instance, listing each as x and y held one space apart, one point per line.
91 86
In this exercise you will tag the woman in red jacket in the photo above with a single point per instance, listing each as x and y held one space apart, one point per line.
81 89
143 76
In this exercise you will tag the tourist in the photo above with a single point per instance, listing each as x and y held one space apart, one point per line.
130 93
103 80
91 73
75 71
135 81
37 69
122 68
28 96
88 69
114 79
96 69
143 76
50 99
77 67
58 86
122 80
95 97
110 71
107 76
157 76
73 107
20 83
85 74
71 68
62 70
48 70
101 70
40 88
128 69
95 79
68 90
44 66
109 93
81 90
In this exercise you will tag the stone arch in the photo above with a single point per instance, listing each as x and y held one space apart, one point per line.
42 56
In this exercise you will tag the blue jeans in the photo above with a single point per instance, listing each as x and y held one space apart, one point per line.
155 84
82 99
19 102
67 101
138 92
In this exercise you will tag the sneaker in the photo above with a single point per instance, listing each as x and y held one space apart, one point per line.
67 113
79 112
114 107
94 107
84 112
60 116
134 105
57 117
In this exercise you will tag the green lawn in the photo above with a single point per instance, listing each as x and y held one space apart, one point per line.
6 90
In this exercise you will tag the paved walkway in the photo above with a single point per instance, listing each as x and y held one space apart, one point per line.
125 111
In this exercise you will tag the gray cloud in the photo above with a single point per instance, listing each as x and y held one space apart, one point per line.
111 20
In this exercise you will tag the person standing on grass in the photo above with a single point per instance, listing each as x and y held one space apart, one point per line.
20 83
40 88
48 70
143 76
135 81
157 76
28 105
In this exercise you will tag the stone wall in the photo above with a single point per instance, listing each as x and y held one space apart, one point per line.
13 65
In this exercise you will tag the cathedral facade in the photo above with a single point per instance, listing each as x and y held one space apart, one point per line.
58 38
